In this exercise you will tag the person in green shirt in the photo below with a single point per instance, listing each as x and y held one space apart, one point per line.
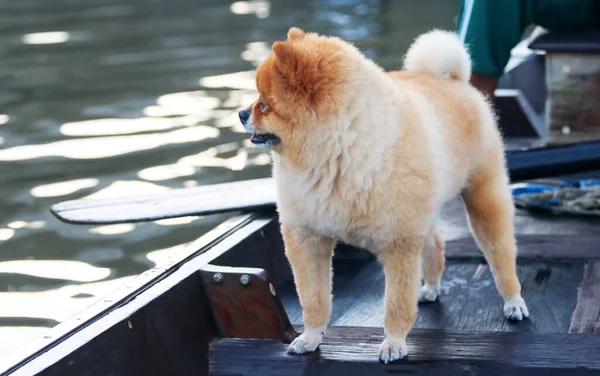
491 28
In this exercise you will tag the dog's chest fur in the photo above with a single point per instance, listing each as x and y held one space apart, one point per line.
342 211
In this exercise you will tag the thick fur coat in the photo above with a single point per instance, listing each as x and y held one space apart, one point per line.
368 158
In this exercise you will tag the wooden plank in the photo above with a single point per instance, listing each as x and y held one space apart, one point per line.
454 226
573 82
469 300
171 336
207 199
156 324
261 193
245 303
353 351
533 247
586 317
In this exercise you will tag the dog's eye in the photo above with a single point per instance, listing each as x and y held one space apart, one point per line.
263 106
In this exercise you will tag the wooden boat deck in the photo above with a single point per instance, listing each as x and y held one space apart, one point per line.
469 300
551 265
464 331
165 322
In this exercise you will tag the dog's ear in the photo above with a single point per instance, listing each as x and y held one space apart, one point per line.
285 54
310 71
295 33
296 66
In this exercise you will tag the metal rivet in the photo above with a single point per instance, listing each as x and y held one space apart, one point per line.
129 324
272 289
244 279
218 277
566 130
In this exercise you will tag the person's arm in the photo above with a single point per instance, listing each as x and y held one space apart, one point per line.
490 29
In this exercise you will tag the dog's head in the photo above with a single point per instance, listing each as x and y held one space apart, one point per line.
300 86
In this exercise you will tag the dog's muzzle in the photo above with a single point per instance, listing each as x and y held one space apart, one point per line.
257 138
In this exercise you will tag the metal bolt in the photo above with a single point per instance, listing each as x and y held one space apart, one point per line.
218 277
244 279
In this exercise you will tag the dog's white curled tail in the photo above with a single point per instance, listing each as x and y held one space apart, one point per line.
440 53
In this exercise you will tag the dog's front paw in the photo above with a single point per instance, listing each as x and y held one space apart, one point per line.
306 342
428 293
392 348
515 308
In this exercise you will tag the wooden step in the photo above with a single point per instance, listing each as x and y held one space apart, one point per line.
353 351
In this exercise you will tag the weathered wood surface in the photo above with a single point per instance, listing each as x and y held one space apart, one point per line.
257 194
453 222
168 337
206 199
469 299
104 342
534 247
245 304
586 317
353 351
158 324
573 82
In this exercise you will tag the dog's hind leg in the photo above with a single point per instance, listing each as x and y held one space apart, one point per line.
433 266
491 214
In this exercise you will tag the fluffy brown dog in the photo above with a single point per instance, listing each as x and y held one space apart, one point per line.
368 158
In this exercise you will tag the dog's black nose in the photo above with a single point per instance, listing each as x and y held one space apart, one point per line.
244 115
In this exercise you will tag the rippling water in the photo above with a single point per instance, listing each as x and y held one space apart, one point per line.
106 98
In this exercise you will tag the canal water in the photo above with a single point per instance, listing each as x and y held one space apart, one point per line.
109 98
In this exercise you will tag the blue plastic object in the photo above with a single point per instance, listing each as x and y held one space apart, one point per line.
526 188
531 188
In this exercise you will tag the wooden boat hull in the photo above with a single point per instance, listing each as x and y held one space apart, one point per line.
166 323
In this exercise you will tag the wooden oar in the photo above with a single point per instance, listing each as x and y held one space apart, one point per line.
208 199
260 194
